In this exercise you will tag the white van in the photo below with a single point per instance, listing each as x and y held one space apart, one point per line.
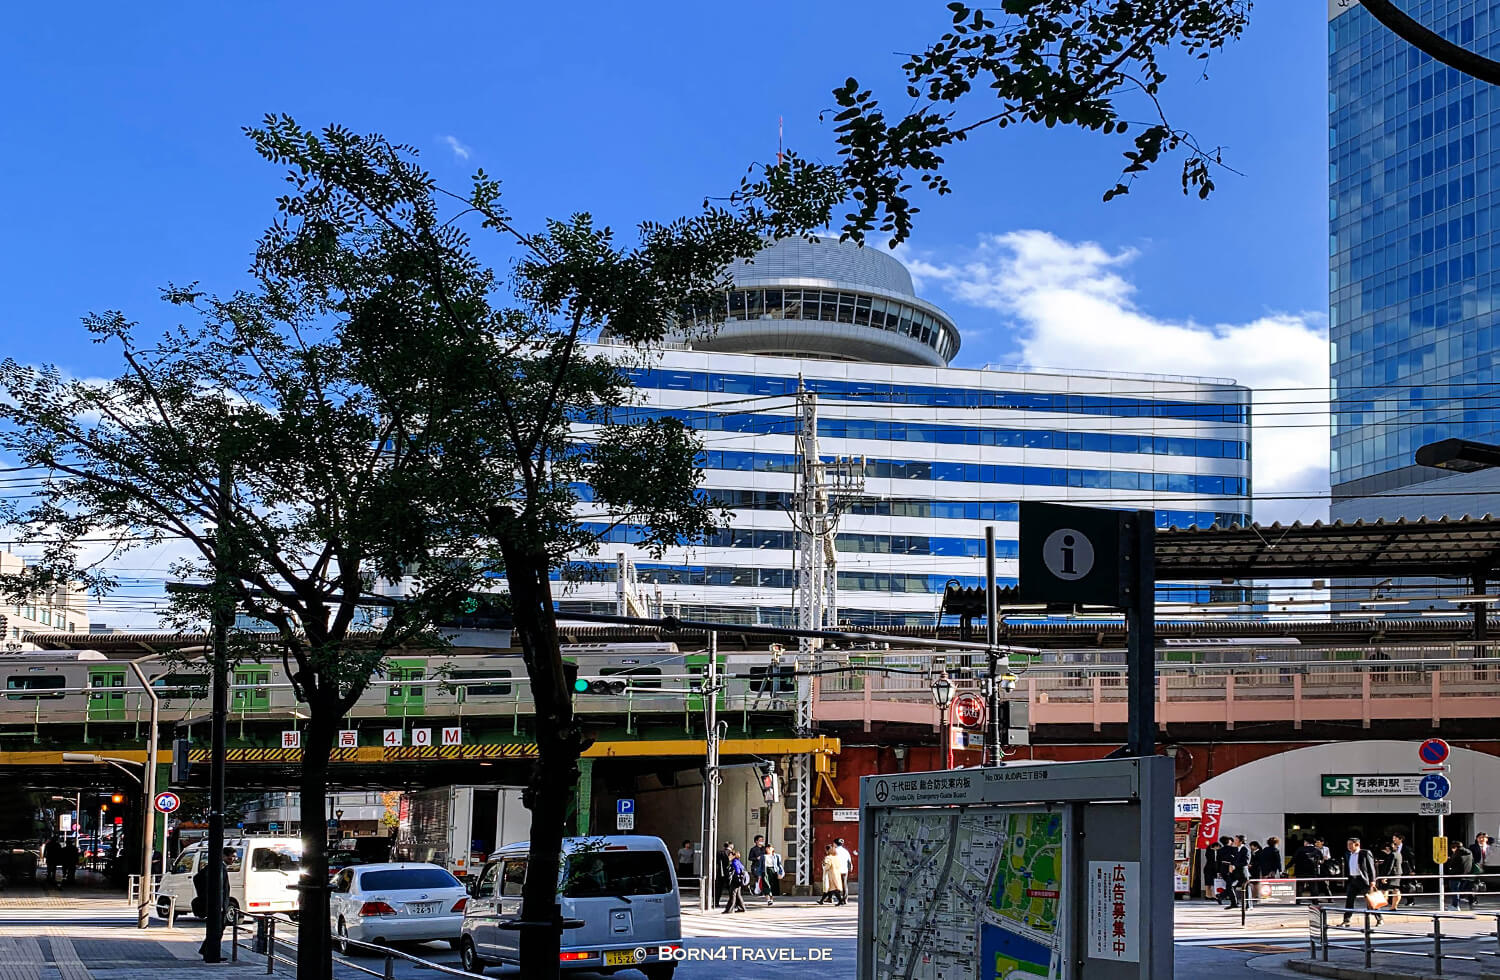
623 888
261 875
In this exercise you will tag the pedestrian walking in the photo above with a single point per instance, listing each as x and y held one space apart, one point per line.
52 854
774 869
757 872
69 861
738 879
1388 873
1480 850
1460 866
1235 860
1271 864
848 859
833 877
721 871
685 860
1359 878
1253 867
1307 861
1210 872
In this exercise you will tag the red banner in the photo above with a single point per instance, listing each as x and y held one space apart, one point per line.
1208 829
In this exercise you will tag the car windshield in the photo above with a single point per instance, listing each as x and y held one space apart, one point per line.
599 873
276 857
396 879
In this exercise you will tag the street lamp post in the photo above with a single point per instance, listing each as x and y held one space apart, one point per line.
1464 456
942 696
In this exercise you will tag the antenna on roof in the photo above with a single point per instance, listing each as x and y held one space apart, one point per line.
780 127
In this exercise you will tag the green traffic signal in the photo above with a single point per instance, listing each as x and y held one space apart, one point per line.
580 686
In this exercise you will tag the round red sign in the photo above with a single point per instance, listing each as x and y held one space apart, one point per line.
968 710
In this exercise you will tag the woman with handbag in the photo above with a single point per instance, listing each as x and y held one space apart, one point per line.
833 877
738 879
774 869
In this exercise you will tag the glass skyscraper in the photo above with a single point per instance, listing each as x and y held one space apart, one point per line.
1413 189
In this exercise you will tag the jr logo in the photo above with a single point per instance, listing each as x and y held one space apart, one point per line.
1338 786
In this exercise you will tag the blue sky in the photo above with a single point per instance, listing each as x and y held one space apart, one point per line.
126 169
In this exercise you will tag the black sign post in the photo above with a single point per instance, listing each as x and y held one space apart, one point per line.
1091 556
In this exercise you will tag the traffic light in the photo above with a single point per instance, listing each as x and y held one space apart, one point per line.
599 685
770 783
117 798
181 764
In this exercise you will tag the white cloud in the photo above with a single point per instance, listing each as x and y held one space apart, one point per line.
459 149
1072 305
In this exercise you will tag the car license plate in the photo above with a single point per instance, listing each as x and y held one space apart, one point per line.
421 908
619 957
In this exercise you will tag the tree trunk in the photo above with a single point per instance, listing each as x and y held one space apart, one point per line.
314 949
559 743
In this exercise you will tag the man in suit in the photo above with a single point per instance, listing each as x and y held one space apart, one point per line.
1306 861
1270 859
1236 861
1388 868
1480 851
1359 877
1460 866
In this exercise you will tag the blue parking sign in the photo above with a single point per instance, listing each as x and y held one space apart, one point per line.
1434 786
624 806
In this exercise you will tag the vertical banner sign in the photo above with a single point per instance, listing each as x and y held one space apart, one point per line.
421 737
349 739
453 736
291 740
1114 916
1208 830
393 738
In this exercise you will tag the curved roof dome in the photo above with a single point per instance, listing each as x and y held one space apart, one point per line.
838 262
829 299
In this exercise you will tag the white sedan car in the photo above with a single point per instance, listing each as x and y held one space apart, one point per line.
394 903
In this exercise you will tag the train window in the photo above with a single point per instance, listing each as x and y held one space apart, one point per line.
487 685
46 682
773 680
182 685
639 676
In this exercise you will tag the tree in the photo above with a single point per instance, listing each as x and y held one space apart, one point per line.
388 409
1070 62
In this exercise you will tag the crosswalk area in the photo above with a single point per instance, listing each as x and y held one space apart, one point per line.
58 916
784 921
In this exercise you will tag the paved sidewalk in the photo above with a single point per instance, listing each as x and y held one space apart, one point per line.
105 952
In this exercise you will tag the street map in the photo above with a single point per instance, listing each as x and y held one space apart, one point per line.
968 895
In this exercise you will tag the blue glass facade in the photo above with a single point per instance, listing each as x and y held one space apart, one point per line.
1413 188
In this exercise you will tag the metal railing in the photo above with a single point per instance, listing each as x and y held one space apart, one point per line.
1370 939
267 940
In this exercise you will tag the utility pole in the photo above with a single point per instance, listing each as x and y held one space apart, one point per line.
821 488
709 851
992 753
213 897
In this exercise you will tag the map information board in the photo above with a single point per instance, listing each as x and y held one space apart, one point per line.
971 894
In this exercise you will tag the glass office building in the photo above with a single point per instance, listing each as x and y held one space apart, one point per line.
947 450
1413 187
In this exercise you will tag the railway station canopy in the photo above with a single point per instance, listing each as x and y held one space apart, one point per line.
1460 548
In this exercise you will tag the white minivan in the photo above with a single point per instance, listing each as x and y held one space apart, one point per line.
262 875
623 888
